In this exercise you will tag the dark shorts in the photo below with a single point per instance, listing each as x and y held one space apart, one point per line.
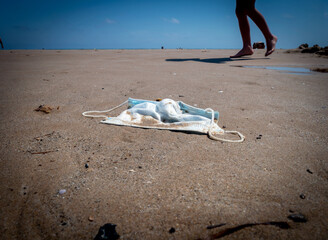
244 5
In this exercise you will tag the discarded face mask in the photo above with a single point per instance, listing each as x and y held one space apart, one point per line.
167 114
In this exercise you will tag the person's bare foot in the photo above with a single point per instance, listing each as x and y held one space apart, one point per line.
271 45
245 51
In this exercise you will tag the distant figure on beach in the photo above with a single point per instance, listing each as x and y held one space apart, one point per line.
244 9
1 44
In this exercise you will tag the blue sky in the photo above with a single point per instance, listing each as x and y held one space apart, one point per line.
89 24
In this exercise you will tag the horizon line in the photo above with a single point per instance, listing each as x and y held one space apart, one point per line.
4 49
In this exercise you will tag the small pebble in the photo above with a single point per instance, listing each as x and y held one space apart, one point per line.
86 165
172 230
91 218
62 191
302 196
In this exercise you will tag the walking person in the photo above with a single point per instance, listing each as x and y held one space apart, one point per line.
244 9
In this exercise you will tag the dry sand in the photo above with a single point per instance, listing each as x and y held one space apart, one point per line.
149 181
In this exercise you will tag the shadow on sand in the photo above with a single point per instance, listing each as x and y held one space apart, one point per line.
212 60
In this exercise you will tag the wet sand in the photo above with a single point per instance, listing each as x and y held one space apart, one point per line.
150 181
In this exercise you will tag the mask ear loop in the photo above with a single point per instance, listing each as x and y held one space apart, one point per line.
89 113
211 135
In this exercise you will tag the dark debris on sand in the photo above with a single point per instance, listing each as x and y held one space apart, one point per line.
107 232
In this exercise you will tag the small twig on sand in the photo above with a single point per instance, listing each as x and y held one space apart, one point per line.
228 231
215 226
46 135
43 152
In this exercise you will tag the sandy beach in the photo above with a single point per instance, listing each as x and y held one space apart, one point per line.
156 184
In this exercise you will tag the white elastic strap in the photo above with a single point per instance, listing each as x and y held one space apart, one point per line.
211 135
87 113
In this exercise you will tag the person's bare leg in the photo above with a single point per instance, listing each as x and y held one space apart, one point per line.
271 45
241 12
259 20
246 36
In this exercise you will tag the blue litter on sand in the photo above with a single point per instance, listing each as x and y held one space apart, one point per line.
184 107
